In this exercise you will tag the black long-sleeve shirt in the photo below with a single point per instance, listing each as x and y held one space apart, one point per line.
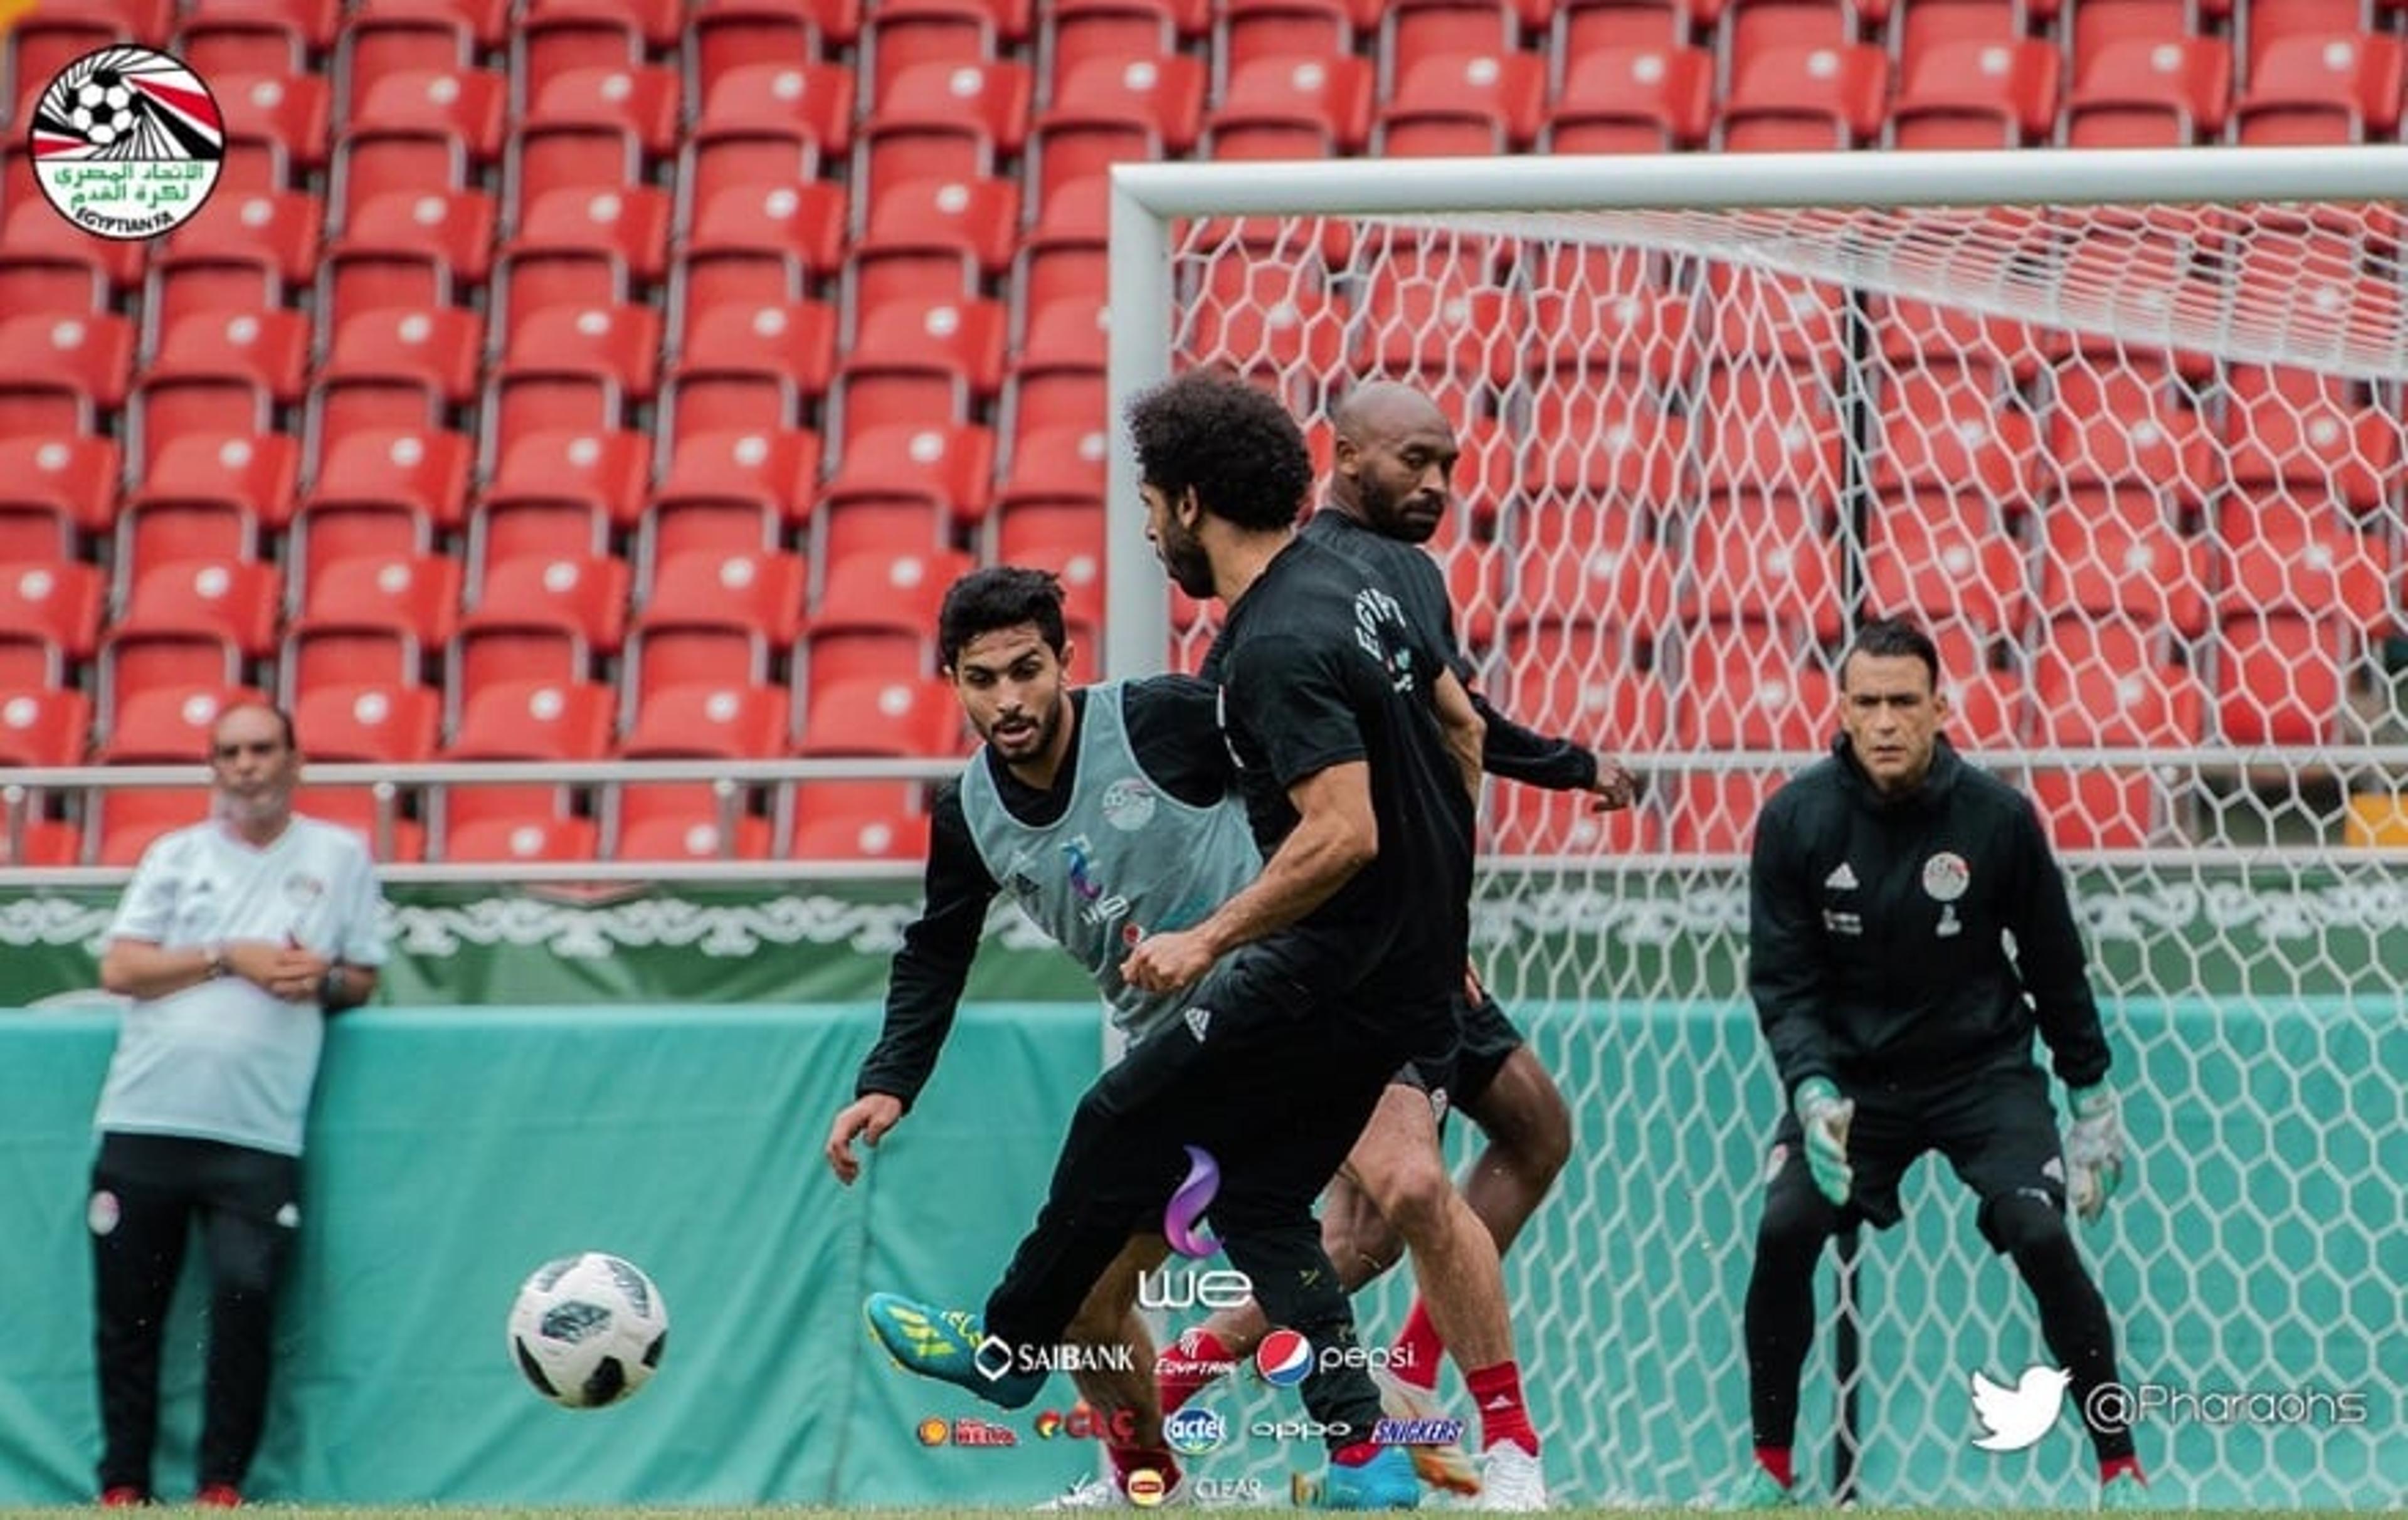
1509 750
1874 937
1173 729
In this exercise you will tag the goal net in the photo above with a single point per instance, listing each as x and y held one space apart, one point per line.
2135 456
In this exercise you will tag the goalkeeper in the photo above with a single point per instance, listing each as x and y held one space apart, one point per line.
1885 884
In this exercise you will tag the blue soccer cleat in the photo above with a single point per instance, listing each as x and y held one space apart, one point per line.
1387 1482
951 1346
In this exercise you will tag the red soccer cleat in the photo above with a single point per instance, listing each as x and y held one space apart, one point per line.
123 1496
219 1495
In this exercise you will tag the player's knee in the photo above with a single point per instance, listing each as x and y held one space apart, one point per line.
1540 1143
1796 1221
1418 1197
2026 1227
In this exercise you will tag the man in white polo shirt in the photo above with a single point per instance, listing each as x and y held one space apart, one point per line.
235 938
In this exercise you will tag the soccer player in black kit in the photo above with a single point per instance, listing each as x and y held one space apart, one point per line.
1355 751
1883 883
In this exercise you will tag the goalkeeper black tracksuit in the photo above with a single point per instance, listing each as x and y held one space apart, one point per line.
1876 960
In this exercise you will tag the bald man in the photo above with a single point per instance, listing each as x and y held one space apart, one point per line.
1390 492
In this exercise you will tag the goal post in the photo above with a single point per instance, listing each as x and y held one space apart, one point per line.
2128 430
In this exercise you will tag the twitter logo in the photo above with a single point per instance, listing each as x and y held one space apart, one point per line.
2014 1418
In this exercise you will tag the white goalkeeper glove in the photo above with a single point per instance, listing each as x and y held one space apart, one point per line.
1825 1115
2094 1151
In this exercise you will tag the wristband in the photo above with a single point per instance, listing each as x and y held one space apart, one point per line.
330 987
215 954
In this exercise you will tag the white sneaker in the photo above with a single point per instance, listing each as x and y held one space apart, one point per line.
1447 1466
1511 1479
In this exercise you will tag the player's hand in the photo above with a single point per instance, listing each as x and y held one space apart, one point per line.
286 970
1167 961
2094 1151
867 1117
1614 788
1825 1116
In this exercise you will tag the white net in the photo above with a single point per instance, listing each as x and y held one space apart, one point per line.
2140 468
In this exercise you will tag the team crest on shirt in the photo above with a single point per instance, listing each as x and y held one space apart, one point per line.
1945 877
1129 805
301 891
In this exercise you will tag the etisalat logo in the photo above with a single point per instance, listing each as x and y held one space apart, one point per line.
1217 1287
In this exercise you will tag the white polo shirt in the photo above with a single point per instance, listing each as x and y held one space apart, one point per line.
225 1060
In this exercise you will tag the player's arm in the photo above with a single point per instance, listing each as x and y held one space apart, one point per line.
2050 960
1337 834
924 988
1464 728
137 963
1785 953
1295 697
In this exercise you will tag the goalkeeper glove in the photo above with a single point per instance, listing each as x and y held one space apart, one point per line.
1825 1115
2094 1151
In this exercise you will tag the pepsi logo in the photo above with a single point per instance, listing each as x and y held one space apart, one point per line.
1283 1358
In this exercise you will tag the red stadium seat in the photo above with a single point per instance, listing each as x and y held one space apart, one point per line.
723 36
126 821
2101 809
2321 88
858 821
1748 687
760 245
49 614
410 250
368 724
1634 99
1115 110
1946 557
44 726
758 591
1773 563
2280 679
396 369
2139 92
2125 558
52 489
1790 98
1464 105
873 718
750 367
1714 813
943 122
1289 107
1978 95
1944 430
59 373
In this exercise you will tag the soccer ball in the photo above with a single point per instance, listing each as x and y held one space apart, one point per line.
587 1329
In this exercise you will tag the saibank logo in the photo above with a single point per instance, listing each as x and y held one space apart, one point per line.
1188 1203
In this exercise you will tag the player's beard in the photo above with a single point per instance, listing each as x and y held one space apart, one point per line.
1182 556
1389 517
1030 742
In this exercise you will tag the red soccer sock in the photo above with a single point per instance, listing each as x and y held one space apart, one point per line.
1775 1460
2115 1466
1178 1373
1498 1391
1127 1459
1417 1349
1354 1456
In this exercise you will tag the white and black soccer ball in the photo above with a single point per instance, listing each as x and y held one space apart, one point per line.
101 112
588 1330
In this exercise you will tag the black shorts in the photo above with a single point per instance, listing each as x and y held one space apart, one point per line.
1997 1128
1276 1079
1484 1038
